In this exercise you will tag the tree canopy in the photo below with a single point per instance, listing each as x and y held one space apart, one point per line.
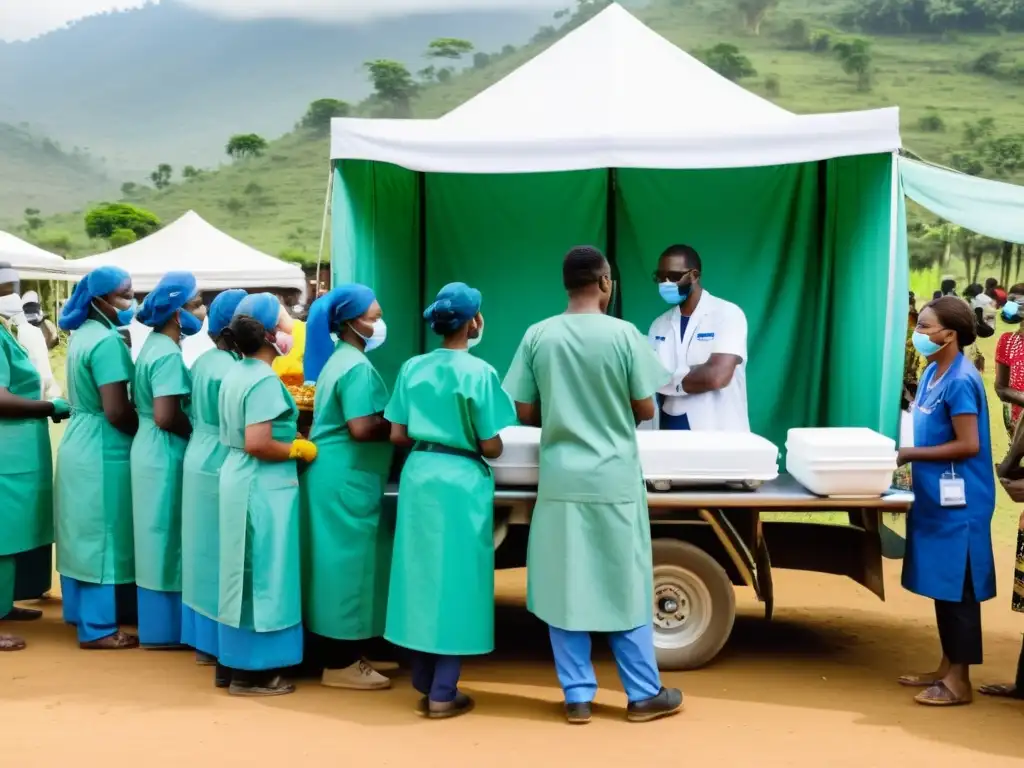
320 113
244 145
107 218
394 86
727 60
449 48
901 16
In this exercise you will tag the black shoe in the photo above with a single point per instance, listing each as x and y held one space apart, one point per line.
423 706
437 710
222 677
205 659
578 714
273 685
669 701
22 614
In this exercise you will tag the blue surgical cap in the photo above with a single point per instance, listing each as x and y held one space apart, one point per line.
100 282
174 291
344 303
456 305
222 309
264 308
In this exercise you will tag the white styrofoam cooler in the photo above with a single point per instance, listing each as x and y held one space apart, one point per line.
848 462
669 458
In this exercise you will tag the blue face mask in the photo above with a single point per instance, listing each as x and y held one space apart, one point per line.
126 315
925 345
673 293
1011 310
190 324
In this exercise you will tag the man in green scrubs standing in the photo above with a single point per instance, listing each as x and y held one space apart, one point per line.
587 379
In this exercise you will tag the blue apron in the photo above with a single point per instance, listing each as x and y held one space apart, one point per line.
941 541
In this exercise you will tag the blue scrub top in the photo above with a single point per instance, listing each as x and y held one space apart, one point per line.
940 539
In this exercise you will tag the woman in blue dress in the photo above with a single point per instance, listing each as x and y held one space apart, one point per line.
949 538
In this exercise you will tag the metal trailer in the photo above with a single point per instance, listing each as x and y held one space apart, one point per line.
706 541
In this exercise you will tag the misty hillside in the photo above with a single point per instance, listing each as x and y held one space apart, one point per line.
168 83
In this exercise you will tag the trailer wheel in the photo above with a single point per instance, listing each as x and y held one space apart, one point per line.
694 605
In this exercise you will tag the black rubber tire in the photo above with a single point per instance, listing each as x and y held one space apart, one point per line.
704 648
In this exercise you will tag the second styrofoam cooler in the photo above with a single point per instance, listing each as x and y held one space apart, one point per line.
848 462
669 459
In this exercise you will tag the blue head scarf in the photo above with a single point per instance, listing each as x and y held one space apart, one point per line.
222 309
100 282
264 308
456 305
344 303
174 291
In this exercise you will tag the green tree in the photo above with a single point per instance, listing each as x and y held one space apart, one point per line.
320 113
449 48
33 221
428 74
444 74
161 177
727 60
129 188
508 50
754 13
106 218
121 237
393 85
773 85
481 60
855 56
245 145
191 172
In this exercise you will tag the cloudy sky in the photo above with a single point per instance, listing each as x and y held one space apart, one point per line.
20 19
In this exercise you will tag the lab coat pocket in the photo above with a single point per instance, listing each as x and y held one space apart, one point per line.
699 349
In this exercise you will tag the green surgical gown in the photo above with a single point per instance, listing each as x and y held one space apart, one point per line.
200 486
442 575
348 540
157 457
589 556
26 465
260 576
94 481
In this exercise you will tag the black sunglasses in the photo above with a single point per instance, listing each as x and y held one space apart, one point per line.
670 277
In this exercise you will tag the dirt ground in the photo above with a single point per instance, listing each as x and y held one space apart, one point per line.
813 688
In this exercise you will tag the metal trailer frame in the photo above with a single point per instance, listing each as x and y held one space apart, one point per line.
707 541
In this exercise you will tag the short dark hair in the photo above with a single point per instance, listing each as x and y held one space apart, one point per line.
687 252
991 282
245 334
956 315
583 266
948 286
974 289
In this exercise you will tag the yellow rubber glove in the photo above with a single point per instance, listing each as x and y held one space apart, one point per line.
302 450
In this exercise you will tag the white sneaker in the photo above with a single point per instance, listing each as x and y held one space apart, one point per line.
359 677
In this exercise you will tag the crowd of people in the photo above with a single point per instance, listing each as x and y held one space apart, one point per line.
189 494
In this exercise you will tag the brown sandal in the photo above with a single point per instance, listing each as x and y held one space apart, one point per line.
916 681
1002 691
11 643
118 641
939 695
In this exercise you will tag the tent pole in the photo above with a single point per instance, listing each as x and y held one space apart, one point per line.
323 235
611 240
421 199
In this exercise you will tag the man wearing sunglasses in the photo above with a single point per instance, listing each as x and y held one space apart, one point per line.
702 340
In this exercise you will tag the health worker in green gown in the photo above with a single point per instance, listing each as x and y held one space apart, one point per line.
587 379
348 539
260 597
200 489
449 407
93 499
162 387
26 465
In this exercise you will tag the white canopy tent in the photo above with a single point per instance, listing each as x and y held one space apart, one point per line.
32 262
613 94
191 244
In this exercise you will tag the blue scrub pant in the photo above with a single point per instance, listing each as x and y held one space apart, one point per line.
252 651
675 423
91 608
159 618
199 631
436 677
634 656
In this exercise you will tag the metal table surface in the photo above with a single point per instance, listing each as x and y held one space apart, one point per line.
783 493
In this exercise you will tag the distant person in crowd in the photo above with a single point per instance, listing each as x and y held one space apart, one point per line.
162 387
449 408
912 360
587 379
32 339
200 490
260 604
984 309
949 538
348 538
35 315
995 292
1010 362
93 500
948 286
702 341
26 463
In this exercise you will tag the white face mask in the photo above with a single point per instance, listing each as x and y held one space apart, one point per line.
377 338
479 337
10 305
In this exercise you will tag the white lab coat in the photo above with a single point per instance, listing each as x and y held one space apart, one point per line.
192 347
716 327
34 343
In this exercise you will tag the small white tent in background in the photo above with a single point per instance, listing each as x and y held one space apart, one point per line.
32 262
194 245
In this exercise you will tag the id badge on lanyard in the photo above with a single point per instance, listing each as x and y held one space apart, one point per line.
952 491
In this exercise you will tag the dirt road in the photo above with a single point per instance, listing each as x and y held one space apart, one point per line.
813 688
